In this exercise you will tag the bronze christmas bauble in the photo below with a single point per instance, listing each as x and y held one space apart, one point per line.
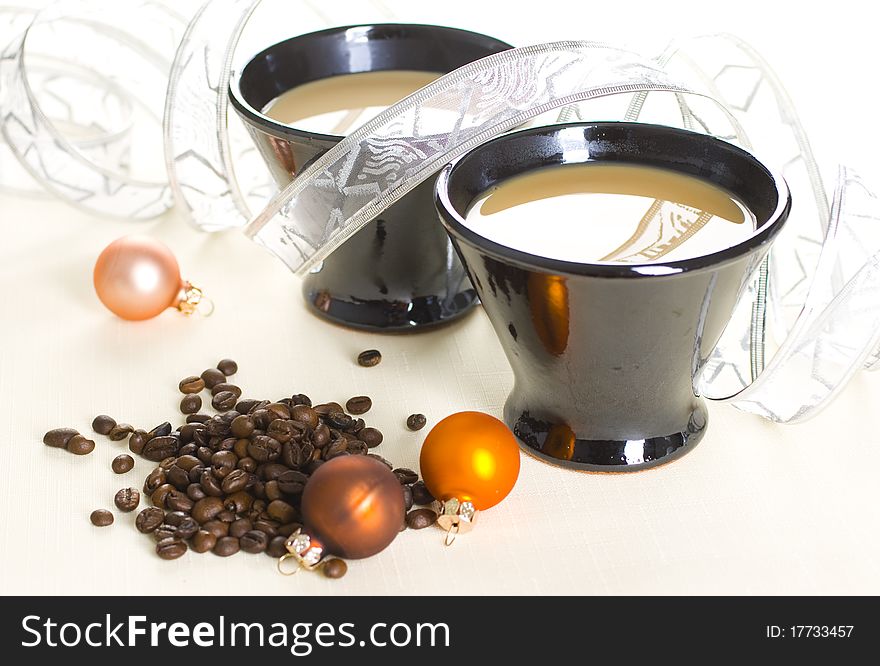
353 505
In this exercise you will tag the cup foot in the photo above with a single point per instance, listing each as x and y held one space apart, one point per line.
399 316
559 445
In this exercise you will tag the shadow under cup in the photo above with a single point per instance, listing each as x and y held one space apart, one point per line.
398 273
606 356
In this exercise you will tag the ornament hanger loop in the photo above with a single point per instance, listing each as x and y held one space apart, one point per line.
451 533
286 571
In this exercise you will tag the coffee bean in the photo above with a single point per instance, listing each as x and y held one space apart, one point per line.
416 421
369 358
263 448
382 460
277 546
190 404
334 568
119 432
241 426
163 532
269 527
407 498
80 446
216 527
272 491
305 414
197 418
101 518
226 546
191 384
207 509
162 430
224 387
247 464
359 404
210 484
418 519
223 401
227 366
149 519
371 437
336 448
339 420
239 502
300 399
278 410
178 477
159 495
236 480
281 511
137 441
421 495
405 476
357 448
103 424
212 377
159 448
203 541
292 482
174 518
59 437
195 493
178 501
170 549
254 541
122 463
154 479
239 527
186 529
127 499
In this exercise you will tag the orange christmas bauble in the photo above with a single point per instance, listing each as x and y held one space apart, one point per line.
472 457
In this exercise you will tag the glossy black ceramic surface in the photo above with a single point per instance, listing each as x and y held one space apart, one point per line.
606 356
399 273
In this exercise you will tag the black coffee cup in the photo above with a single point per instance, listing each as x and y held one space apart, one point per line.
606 356
399 272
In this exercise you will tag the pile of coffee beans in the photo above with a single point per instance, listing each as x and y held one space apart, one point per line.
232 481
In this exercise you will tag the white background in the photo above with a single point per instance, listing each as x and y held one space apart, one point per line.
755 509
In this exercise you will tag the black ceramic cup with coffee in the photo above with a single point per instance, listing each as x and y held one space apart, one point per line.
606 353
398 273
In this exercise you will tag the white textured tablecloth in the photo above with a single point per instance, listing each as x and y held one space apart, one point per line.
755 509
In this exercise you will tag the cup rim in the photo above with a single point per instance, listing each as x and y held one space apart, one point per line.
254 116
457 227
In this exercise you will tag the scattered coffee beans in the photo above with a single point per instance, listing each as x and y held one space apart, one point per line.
122 464
127 499
416 421
101 518
418 519
369 358
359 404
103 424
80 446
234 481
227 366
59 437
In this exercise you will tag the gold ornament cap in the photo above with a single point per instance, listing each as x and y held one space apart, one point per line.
455 517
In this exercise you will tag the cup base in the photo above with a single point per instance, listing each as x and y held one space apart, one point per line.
399 316
559 445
